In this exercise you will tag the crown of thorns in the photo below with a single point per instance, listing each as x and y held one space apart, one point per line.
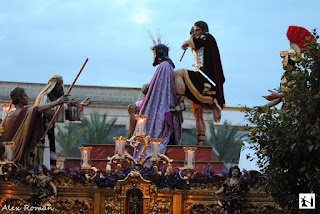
153 40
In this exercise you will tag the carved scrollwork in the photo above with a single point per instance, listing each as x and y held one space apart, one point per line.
204 207
73 206
112 206
15 205
162 206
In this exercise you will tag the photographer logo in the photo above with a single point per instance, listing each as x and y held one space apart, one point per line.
307 201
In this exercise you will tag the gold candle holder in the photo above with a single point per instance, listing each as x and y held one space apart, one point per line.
85 157
120 155
8 154
187 172
120 145
189 157
141 125
5 109
155 157
154 147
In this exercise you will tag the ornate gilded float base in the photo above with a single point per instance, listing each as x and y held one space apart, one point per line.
132 193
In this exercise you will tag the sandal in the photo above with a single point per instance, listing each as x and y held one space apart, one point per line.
201 141
180 107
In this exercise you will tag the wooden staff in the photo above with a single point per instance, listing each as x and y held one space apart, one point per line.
4 120
56 113
183 54
191 36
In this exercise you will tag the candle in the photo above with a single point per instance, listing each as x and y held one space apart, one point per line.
140 126
121 147
140 129
5 109
108 167
9 151
155 149
190 157
85 159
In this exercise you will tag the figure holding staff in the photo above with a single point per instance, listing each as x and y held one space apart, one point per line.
51 92
203 86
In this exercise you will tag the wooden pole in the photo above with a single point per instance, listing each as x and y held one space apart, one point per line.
56 113
183 54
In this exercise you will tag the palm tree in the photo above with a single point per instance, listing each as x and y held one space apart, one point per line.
227 140
99 129
70 138
189 137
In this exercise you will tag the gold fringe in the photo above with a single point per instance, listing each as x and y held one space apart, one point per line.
207 85
194 91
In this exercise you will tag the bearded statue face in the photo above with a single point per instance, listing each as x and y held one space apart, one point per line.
155 58
57 92
160 54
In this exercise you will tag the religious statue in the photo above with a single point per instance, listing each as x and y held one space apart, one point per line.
43 187
203 86
71 111
135 201
233 189
297 37
160 98
24 125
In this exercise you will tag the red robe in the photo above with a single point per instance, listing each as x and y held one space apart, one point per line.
212 68
24 141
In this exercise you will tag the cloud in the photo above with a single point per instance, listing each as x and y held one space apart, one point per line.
141 16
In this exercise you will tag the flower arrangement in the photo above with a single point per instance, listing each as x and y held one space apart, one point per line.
108 179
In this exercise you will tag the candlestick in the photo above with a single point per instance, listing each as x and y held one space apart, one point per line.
9 151
5 109
140 127
85 157
190 156
155 144
120 145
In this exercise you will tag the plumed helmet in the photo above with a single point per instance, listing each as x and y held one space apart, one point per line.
298 38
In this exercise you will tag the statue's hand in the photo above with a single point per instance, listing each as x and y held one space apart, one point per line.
73 103
86 102
63 99
185 45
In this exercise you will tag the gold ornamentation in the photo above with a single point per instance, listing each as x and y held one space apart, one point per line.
121 154
204 207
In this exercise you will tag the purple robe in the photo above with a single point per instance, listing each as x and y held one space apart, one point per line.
156 105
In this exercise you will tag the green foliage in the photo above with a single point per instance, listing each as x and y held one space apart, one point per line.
189 137
226 140
99 129
69 138
289 139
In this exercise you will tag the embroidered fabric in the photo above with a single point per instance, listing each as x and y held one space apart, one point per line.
198 58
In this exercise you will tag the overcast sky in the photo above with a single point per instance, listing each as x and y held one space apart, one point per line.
39 38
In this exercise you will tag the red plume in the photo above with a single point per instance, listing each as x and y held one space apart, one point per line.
298 36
